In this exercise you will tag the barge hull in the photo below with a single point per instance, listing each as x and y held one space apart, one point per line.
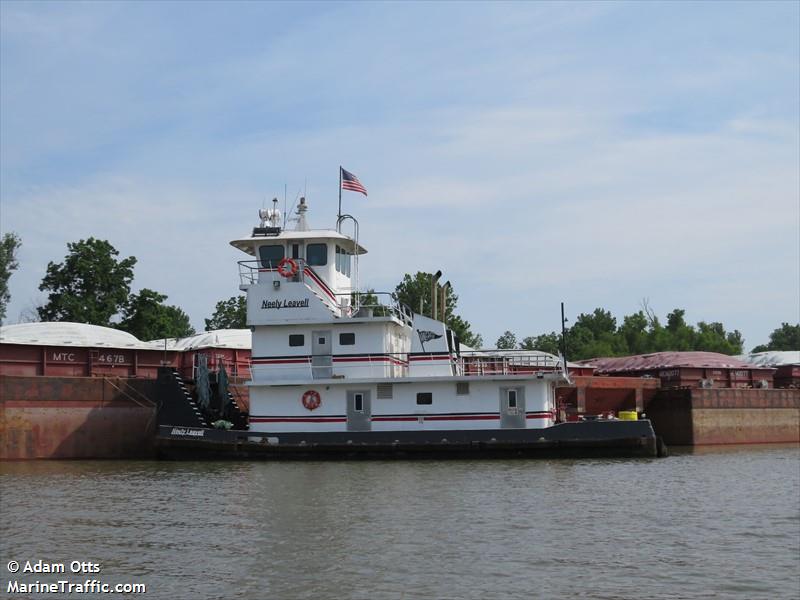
584 439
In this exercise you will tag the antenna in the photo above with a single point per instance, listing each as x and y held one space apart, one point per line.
284 205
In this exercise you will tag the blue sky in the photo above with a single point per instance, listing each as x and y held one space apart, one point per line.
595 153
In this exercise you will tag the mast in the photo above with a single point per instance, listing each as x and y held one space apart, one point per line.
339 214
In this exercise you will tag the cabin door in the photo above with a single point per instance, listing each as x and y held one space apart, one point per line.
321 358
512 407
359 410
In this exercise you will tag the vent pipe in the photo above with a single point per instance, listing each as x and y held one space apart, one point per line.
443 302
434 295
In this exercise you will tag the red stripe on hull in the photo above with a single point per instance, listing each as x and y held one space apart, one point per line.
298 420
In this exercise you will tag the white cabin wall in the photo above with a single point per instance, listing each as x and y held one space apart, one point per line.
274 360
479 409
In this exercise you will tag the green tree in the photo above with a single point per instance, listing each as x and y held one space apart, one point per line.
369 300
712 337
682 336
148 318
633 332
9 244
597 334
785 337
507 341
415 292
594 334
90 286
229 314
547 342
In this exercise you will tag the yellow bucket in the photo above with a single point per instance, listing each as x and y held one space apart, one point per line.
628 415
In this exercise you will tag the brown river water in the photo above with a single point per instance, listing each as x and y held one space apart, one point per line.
715 523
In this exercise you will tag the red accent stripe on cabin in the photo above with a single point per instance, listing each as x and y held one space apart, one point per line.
430 357
282 361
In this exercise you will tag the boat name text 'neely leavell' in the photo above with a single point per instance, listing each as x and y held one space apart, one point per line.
277 304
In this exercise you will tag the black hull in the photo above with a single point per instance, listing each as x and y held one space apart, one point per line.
582 439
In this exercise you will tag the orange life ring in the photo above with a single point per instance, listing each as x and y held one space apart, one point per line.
311 399
287 267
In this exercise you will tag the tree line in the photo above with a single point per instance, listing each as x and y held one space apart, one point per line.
93 285
598 334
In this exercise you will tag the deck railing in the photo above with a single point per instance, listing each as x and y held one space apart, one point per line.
475 363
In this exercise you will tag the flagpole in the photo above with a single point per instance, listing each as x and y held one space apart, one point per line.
339 216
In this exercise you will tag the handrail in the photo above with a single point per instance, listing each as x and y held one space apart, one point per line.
148 403
479 363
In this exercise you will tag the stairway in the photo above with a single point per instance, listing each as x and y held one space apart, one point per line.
326 302
237 416
176 406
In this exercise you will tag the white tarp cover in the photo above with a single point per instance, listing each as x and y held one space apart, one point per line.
72 334
240 339
773 358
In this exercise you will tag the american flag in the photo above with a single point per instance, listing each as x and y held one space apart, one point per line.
351 182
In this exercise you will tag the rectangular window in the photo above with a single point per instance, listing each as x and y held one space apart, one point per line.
462 388
425 398
358 402
512 398
297 340
347 339
317 255
338 259
270 256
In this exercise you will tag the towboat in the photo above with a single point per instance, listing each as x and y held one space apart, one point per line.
338 372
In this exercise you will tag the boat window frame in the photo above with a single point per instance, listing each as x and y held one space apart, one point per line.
269 264
342 338
358 399
424 398
292 342
313 261
509 392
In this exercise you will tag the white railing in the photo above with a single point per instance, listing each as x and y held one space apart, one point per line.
506 362
477 363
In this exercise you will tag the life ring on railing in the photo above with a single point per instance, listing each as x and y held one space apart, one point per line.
311 399
287 267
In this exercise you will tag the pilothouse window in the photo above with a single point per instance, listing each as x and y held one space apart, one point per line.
317 255
342 261
270 256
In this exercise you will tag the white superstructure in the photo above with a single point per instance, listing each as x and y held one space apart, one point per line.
326 358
